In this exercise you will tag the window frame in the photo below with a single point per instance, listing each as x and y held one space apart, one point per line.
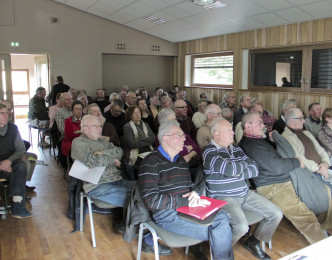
216 54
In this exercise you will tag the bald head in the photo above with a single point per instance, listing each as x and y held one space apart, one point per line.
212 111
180 108
222 132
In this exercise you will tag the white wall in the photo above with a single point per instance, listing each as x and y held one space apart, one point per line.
76 44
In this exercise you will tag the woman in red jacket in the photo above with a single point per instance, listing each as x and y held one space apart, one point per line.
72 127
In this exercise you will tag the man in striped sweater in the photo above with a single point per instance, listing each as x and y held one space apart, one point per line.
165 184
227 168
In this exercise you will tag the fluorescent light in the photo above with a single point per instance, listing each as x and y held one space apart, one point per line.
216 4
159 21
151 17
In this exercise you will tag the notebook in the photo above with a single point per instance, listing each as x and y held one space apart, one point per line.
202 213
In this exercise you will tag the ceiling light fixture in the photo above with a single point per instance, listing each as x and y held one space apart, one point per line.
208 4
151 17
159 21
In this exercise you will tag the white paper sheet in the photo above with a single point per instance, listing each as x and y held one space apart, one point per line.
80 171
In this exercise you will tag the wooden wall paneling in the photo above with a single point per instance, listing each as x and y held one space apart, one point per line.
328 29
320 30
303 27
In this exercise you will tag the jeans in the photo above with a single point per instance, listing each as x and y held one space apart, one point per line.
219 233
257 204
116 193
17 178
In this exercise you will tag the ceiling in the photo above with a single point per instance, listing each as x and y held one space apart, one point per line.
186 21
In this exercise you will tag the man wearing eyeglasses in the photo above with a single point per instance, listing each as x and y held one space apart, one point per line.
186 123
226 169
274 181
165 184
12 167
116 116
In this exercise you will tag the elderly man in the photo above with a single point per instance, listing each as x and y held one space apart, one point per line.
186 124
199 117
164 177
181 95
226 168
122 95
304 143
130 100
38 112
204 136
313 122
166 102
115 116
94 151
245 102
229 101
279 125
12 167
101 100
59 87
274 183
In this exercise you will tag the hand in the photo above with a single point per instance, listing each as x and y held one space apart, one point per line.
77 132
6 166
193 195
189 156
107 138
117 163
271 135
323 169
98 153
189 148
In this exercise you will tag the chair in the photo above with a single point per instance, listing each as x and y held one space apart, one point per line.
4 184
40 132
169 238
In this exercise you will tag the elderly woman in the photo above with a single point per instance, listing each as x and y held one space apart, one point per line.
54 109
154 107
199 117
84 99
191 151
72 127
145 113
138 137
64 112
111 98
324 135
108 132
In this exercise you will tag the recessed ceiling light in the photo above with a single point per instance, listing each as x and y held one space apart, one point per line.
151 17
159 21
208 4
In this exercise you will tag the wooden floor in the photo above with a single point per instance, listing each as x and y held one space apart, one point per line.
47 234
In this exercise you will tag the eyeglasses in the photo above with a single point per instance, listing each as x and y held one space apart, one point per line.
4 113
181 107
261 122
218 114
298 118
96 126
178 135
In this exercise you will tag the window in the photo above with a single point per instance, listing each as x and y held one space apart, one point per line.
213 70
279 69
321 73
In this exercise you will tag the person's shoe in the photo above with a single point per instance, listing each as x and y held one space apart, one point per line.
252 245
18 211
163 250
29 188
196 250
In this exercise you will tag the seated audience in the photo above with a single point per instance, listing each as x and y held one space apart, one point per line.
12 167
274 183
122 95
72 127
166 102
181 95
227 113
64 112
245 103
304 144
108 132
186 124
229 101
279 125
171 94
130 100
84 100
59 87
111 98
204 136
267 116
54 109
82 91
227 168
94 151
203 95
115 116
154 107
324 135
145 113
38 112
199 117
101 100
144 94
159 91
312 122
164 176
73 93
137 138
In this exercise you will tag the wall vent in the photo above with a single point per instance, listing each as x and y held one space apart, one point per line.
156 47
120 46
54 19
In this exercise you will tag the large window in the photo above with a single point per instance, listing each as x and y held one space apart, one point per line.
304 68
213 70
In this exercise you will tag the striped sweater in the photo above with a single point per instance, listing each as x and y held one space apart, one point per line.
226 170
162 182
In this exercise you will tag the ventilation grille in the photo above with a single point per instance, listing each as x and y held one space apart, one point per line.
156 47
54 19
120 46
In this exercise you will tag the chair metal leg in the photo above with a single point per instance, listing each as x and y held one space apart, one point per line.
91 223
81 212
186 250
155 245
140 239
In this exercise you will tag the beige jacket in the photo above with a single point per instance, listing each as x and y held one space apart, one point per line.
299 148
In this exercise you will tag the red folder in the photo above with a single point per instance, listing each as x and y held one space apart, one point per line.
203 212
